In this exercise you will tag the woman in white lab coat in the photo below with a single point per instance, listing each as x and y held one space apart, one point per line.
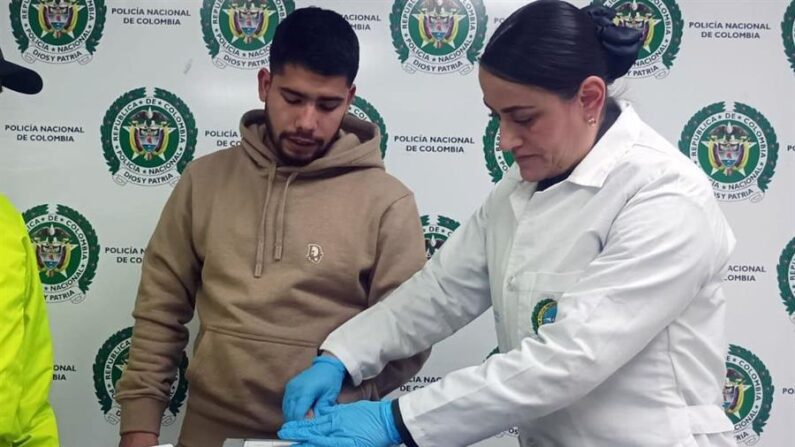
601 253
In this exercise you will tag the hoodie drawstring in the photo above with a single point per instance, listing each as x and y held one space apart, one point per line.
279 231
261 230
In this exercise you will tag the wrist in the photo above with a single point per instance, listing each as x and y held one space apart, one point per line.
331 361
324 353
388 418
405 434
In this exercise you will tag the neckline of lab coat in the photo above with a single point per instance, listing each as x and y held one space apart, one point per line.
602 158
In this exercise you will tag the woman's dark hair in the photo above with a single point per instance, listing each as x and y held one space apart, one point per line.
554 45
317 39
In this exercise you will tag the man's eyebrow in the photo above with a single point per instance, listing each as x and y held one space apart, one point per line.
304 96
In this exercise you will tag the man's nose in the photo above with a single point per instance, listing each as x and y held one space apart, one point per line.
307 118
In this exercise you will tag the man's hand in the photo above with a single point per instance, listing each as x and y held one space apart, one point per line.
315 388
360 424
138 439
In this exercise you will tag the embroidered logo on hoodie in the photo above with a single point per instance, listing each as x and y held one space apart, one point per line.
314 252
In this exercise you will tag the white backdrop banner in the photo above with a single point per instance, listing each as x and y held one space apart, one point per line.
709 69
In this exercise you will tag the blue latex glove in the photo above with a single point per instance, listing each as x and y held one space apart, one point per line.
315 387
360 424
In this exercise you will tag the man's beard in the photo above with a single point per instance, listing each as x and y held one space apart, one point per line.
278 143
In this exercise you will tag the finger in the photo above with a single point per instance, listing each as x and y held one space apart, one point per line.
290 393
329 396
302 423
329 411
287 407
298 407
323 407
300 430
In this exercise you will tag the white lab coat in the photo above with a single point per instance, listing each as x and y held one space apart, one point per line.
630 250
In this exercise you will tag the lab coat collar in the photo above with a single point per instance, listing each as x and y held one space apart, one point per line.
597 164
603 157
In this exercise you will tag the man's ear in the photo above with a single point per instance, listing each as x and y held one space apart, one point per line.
351 94
264 82
592 97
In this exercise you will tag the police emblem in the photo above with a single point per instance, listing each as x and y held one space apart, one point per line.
543 313
148 139
747 394
788 33
497 161
238 33
109 365
786 278
438 36
437 230
67 251
737 149
363 110
662 26
57 31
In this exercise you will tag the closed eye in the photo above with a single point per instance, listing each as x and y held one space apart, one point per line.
292 99
517 120
328 106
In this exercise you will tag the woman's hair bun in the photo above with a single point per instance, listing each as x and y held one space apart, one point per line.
621 43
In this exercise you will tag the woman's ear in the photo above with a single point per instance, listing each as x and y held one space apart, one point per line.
592 97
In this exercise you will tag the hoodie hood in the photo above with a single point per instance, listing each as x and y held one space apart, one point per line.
357 146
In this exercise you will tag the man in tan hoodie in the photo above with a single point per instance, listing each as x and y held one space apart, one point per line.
275 243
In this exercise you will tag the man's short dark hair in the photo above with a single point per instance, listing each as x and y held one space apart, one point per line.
319 40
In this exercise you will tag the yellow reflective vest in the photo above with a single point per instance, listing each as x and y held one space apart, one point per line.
26 360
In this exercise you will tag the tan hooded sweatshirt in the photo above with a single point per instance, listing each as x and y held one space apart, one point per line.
273 258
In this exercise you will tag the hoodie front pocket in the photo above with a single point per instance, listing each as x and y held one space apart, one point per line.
239 381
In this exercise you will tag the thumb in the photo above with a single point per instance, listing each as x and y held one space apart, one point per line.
328 398
323 406
298 408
